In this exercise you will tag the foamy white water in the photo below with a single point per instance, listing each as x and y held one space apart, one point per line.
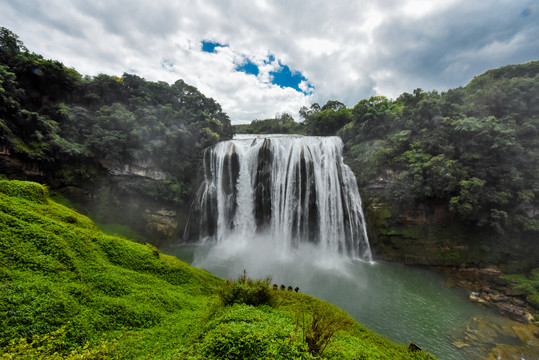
297 189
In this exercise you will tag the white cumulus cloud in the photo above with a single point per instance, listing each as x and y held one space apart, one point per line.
346 50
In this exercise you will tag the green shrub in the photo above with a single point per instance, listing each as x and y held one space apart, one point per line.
51 346
25 190
245 290
321 325
234 341
533 300
246 332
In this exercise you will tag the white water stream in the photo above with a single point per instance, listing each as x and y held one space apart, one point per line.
296 188
289 208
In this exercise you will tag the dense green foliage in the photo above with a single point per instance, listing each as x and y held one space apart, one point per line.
281 124
457 149
471 151
70 125
247 291
529 285
70 291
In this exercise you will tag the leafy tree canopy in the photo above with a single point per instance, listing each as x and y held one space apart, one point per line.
51 114
473 149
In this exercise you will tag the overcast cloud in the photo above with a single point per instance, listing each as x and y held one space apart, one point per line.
345 50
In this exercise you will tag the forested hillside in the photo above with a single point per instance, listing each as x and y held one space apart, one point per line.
474 149
448 178
102 139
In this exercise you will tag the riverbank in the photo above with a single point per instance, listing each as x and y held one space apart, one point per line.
507 340
466 256
490 287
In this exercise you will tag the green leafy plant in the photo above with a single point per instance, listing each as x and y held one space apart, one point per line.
321 325
243 332
245 290
52 347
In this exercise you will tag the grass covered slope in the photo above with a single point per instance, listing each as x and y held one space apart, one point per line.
59 273
70 291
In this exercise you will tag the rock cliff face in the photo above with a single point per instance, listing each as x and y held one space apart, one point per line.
11 165
107 202
125 194
428 235
113 193
163 222
132 203
145 169
423 235
156 220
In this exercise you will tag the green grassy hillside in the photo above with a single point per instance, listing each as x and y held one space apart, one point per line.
69 291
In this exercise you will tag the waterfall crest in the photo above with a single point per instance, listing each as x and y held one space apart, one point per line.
297 188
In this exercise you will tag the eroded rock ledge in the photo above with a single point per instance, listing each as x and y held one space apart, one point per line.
488 288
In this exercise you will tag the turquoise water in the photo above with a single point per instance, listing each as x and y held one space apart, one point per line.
404 304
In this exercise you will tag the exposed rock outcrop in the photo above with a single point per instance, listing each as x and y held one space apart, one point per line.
145 168
163 222
11 164
515 312
488 288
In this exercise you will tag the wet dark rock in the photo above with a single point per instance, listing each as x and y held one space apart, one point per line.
475 297
515 312
262 190
500 298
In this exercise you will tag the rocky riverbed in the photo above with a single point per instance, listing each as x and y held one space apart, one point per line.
515 338
487 287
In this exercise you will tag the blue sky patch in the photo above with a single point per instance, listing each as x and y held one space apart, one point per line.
269 60
209 46
284 77
248 67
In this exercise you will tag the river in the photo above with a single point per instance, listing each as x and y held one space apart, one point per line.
288 207
404 304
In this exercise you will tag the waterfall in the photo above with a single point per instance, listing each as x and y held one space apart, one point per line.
296 188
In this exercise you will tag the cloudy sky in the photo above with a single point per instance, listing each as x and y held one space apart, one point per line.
258 58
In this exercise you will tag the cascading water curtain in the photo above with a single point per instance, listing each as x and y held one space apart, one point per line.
297 188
